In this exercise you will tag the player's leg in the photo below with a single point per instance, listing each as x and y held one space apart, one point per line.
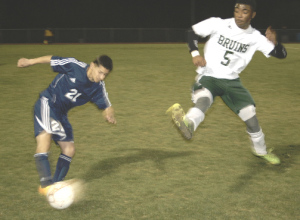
248 115
257 137
64 160
239 100
65 140
203 93
202 98
41 159
42 130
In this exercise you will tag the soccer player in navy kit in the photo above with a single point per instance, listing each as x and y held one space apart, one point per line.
228 51
75 84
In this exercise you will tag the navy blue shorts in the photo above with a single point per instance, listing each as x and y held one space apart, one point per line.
55 123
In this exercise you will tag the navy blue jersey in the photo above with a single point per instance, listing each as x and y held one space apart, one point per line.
71 87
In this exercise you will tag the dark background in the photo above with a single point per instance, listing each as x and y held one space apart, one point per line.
16 14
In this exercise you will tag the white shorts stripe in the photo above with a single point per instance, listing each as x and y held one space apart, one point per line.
45 115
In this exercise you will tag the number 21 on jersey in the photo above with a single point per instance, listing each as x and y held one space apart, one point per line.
73 95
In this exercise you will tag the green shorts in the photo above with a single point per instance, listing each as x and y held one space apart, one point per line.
232 92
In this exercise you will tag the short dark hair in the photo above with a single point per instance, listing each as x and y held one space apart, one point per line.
252 3
104 61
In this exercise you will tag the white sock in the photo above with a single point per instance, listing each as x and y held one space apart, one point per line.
258 140
196 116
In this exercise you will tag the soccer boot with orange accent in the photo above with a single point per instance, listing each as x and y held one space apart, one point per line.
43 191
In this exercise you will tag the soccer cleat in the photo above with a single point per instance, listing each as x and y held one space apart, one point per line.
43 191
270 157
185 126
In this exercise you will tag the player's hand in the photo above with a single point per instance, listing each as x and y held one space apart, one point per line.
199 61
23 62
109 115
271 35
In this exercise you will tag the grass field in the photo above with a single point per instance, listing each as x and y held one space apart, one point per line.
142 168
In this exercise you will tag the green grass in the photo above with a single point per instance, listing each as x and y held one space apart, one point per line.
142 168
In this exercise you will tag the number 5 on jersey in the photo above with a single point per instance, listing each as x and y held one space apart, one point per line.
227 60
73 95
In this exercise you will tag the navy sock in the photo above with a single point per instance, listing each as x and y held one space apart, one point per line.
62 167
43 168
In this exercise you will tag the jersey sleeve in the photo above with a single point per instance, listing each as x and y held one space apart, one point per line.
206 27
65 64
265 46
101 97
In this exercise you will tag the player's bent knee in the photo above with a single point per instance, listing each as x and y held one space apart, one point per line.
70 151
200 93
247 112
67 148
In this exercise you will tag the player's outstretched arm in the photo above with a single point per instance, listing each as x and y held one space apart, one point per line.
109 114
24 62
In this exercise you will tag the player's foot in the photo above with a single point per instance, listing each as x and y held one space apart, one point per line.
185 126
270 157
43 191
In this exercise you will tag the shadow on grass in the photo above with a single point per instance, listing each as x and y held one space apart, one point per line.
108 166
286 155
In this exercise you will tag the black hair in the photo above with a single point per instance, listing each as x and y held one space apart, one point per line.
252 3
104 61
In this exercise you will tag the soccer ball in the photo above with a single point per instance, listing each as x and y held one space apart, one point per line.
61 195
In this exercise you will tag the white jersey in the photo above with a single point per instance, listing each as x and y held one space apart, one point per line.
229 48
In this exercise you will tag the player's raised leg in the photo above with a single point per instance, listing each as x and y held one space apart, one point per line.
188 123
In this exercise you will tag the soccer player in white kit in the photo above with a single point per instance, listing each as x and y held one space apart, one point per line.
231 46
